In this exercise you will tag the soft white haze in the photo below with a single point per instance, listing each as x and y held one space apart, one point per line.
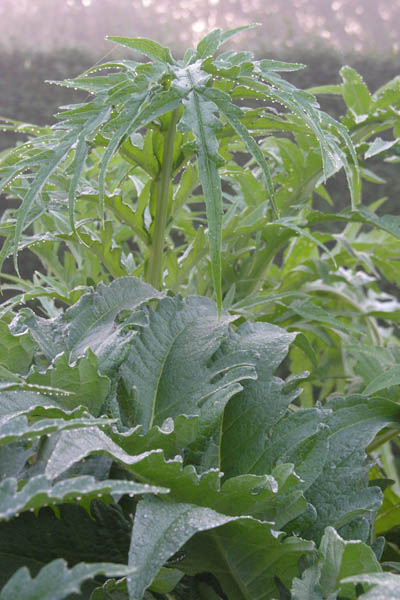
347 24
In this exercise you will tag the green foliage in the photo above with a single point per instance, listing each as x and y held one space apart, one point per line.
151 433
152 447
187 112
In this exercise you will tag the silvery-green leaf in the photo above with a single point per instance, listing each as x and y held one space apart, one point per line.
170 375
14 429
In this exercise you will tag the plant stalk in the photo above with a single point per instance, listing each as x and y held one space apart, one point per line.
155 265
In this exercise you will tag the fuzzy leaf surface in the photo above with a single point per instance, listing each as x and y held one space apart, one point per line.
342 491
262 402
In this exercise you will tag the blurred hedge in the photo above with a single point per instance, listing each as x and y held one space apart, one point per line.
24 94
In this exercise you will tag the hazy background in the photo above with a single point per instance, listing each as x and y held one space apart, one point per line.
359 25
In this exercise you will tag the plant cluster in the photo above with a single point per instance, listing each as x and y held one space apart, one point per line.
198 390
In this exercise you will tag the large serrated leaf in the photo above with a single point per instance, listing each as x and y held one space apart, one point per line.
170 375
55 581
299 438
276 497
327 447
149 466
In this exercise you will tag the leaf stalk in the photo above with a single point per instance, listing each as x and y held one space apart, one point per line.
156 250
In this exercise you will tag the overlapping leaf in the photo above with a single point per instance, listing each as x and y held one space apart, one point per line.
199 410
327 447
262 402
353 424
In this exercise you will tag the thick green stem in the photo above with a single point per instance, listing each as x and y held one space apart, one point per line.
155 265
